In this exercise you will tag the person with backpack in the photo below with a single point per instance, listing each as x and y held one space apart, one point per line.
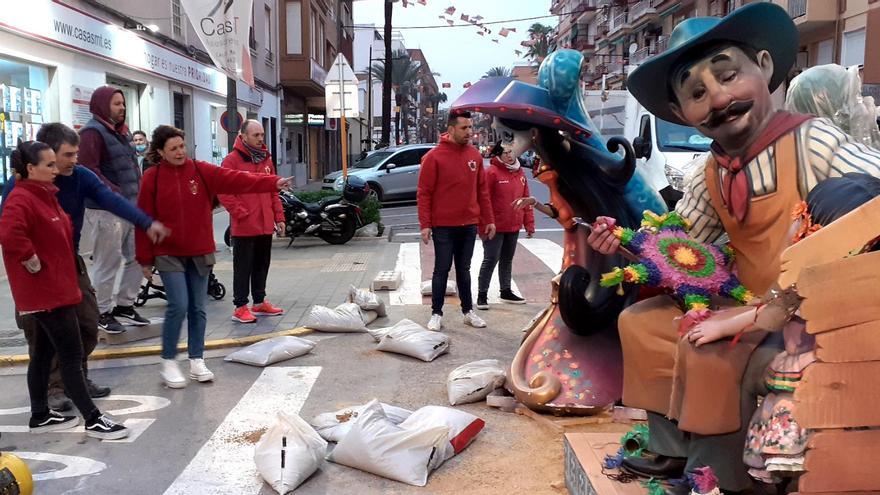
179 192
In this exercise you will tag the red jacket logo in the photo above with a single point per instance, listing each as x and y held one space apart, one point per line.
193 187
472 165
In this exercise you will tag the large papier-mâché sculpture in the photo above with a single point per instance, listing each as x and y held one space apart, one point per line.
570 360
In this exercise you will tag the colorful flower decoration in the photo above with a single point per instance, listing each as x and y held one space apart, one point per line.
704 481
669 258
635 442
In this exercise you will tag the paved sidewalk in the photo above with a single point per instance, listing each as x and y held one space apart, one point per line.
309 272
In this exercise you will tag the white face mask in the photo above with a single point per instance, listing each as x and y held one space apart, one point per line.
513 167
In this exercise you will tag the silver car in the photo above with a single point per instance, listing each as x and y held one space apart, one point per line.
392 172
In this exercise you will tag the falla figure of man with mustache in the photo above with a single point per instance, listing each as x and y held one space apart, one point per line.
719 74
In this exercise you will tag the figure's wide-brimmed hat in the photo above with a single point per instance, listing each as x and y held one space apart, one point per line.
762 26
506 97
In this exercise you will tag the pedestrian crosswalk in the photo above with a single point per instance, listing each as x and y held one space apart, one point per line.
536 261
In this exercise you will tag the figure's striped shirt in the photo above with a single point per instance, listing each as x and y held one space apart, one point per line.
823 151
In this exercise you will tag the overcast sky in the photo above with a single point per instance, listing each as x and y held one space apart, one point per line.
459 54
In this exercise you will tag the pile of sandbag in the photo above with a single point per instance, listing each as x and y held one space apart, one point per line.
407 451
271 351
472 382
367 300
347 317
451 290
333 426
289 452
411 339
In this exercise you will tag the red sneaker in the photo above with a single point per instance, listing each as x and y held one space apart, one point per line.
243 315
265 308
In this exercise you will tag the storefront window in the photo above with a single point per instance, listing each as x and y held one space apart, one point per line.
22 106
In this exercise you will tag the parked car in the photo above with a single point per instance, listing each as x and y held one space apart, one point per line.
392 173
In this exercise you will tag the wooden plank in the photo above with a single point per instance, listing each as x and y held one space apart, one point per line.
841 461
831 242
841 293
838 395
850 344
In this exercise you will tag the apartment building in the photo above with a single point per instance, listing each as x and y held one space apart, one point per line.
369 48
424 128
311 34
53 54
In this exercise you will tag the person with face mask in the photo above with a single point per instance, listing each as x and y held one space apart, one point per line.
506 182
105 149
140 143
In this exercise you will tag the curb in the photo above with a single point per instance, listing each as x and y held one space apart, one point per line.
150 350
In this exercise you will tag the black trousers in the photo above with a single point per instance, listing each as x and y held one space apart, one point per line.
452 244
57 333
497 251
250 266
87 315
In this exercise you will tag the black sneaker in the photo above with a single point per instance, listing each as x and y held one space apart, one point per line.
52 421
128 316
109 324
482 301
509 297
97 391
106 429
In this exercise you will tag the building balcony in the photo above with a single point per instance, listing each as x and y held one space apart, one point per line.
584 43
619 25
584 11
661 45
614 68
644 11
303 75
811 14
641 54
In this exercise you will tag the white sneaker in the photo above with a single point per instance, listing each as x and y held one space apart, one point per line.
171 374
199 372
435 323
471 319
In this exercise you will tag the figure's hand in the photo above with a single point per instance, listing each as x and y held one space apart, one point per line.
490 231
707 332
601 237
530 234
158 232
32 264
148 272
426 235
280 228
520 203
284 183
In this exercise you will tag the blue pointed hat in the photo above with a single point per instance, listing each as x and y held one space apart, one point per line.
762 26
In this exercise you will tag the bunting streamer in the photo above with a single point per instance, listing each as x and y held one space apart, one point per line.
464 17
450 10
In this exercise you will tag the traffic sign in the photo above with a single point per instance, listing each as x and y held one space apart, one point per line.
231 126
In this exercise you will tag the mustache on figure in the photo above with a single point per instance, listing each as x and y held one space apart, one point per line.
735 109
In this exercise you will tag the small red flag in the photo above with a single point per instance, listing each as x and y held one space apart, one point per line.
504 32
464 17
446 85
466 85
450 10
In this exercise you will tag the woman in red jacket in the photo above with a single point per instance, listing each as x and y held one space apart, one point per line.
506 182
37 240
179 192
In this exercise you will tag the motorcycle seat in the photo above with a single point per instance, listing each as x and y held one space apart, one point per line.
317 207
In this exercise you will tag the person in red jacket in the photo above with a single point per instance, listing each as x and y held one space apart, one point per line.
506 183
452 200
178 191
254 218
37 240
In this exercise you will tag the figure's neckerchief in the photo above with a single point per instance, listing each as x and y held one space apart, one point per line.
735 189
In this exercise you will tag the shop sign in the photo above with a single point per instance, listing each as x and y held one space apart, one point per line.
58 24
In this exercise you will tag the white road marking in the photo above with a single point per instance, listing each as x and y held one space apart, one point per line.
74 466
546 250
410 267
494 284
414 234
225 464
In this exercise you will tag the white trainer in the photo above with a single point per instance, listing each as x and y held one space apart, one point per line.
171 374
471 319
435 323
199 372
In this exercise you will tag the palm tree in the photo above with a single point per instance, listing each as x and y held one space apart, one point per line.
435 100
498 72
386 75
539 37
405 79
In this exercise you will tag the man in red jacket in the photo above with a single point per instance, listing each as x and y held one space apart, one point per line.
452 200
254 217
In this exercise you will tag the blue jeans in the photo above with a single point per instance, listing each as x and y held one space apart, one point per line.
452 244
186 292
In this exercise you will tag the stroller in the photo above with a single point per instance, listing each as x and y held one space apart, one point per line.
152 290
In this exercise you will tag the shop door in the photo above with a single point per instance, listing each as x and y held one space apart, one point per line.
181 113
132 92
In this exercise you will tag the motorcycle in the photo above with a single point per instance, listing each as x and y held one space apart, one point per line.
334 219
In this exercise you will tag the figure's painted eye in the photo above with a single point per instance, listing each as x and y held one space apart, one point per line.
507 136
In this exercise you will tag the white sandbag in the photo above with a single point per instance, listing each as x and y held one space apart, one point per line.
303 455
347 317
415 341
462 429
369 230
333 426
367 300
378 446
272 350
472 382
451 289
378 333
